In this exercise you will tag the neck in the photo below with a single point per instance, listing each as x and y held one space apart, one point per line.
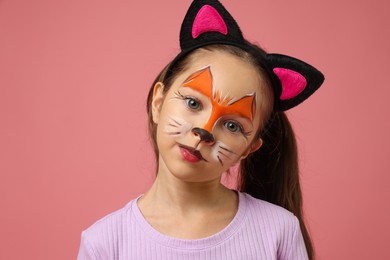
186 196
179 206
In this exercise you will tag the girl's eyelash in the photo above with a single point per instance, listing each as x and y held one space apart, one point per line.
241 128
181 96
246 134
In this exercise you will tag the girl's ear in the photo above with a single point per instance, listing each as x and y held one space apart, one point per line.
253 147
158 98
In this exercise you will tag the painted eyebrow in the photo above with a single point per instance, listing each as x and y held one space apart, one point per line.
202 82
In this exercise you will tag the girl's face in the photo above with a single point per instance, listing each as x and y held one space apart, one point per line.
208 119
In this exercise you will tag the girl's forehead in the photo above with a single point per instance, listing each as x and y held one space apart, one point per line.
229 74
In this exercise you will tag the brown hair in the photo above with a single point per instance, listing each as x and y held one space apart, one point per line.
271 173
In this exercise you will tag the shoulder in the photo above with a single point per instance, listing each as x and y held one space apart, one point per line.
107 231
258 206
277 227
270 216
110 221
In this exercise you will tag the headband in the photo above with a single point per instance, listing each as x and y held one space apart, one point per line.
207 22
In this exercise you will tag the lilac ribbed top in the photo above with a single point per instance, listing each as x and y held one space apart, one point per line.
259 230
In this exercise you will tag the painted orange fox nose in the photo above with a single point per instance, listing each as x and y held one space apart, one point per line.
204 135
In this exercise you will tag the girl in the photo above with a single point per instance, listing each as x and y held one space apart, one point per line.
218 103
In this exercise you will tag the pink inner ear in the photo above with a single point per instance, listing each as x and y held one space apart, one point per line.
293 83
208 20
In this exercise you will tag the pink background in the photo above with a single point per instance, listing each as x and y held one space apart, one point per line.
73 144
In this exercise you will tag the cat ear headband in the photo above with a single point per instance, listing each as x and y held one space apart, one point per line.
207 22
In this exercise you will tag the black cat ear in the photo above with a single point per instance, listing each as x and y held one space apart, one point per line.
295 80
208 22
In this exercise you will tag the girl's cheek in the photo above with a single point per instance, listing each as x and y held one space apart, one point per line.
175 123
223 153
176 126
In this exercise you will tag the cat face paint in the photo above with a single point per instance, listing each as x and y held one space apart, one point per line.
177 126
217 94
222 104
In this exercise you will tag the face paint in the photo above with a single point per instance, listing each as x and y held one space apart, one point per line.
221 105
222 153
202 82
177 126
222 97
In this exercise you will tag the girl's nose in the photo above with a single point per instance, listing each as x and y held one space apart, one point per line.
204 135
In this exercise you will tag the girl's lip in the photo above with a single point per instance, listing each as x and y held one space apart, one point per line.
191 154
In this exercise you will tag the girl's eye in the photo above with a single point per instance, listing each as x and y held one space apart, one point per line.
193 103
233 126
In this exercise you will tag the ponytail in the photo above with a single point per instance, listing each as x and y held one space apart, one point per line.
271 173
